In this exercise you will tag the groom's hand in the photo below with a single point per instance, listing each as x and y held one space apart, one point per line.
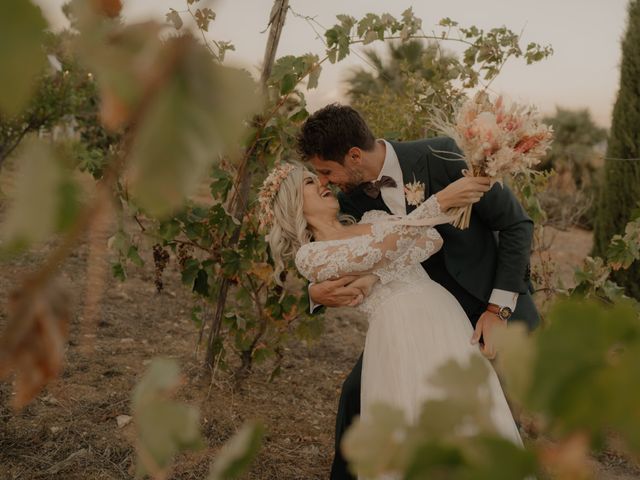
336 293
486 328
464 191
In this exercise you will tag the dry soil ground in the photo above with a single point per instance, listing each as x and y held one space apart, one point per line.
70 431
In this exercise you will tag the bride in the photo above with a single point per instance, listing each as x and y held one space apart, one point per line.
415 324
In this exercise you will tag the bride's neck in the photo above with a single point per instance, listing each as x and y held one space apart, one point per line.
327 229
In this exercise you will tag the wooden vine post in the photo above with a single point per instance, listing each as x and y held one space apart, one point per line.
239 200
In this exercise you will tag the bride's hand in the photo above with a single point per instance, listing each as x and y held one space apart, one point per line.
464 191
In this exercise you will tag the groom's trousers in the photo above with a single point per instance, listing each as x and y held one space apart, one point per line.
348 409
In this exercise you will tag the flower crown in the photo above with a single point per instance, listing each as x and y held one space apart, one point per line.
269 190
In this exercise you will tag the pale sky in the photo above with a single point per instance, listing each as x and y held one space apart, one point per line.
585 34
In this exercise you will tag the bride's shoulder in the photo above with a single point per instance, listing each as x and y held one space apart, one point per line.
308 249
303 251
374 215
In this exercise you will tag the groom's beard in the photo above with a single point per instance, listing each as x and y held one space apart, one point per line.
355 178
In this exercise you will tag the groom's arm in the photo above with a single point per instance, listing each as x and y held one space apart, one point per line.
501 211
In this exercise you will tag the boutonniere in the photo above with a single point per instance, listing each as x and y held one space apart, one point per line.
414 192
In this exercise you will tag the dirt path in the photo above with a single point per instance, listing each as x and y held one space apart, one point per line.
70 430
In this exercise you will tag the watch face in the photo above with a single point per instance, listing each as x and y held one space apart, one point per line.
505 313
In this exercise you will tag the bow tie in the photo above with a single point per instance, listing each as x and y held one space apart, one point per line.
372 189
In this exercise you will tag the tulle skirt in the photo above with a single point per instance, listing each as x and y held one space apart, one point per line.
416 329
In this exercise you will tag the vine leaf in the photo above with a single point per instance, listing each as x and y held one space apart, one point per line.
174 18
164 426
22 29
203 17
374 446
237 454
33 343
210 103
42 201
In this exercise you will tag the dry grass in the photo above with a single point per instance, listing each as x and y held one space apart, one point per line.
70 432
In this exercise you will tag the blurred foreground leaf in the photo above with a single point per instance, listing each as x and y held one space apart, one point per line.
164 427
33 341
44 199
585 375
238 453
454 437
516 359
197 116
21 54
185 109
375 445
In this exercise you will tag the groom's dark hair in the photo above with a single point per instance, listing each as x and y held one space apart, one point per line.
331 131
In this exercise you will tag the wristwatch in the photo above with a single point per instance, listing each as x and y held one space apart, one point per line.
503 312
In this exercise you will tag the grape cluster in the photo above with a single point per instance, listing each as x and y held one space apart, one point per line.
160 260
184 253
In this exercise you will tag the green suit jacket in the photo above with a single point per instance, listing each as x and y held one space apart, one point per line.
493 252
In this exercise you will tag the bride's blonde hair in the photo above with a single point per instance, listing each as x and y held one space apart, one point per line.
282 210
289 229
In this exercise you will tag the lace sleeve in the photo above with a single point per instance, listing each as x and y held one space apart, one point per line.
394 244
319 261
427 209
388 249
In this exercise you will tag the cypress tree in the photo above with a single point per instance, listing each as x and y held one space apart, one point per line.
619 200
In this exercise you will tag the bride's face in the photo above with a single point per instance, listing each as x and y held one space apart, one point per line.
317 200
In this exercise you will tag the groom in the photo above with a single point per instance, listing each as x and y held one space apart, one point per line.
486 267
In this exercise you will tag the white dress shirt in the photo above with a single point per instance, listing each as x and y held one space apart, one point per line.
393 197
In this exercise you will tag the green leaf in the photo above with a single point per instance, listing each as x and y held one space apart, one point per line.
261 354
69 203
447 22
169 229
371 36
516 359
196 316
624 250
299 116
163 375
118 272
580 379
198 113
22 57
200 284
190 271
371 447
332 54
203 17
288 302
164 427
134 256
288 83
174 18
233 264
346 22
37 198
238 453
314 75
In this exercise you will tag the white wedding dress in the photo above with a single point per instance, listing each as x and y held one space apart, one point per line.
415 324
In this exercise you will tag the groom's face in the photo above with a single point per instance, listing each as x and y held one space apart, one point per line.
346 176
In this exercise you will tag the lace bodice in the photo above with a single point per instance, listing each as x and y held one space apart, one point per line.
393 250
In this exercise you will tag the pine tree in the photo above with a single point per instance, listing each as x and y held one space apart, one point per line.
619 200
